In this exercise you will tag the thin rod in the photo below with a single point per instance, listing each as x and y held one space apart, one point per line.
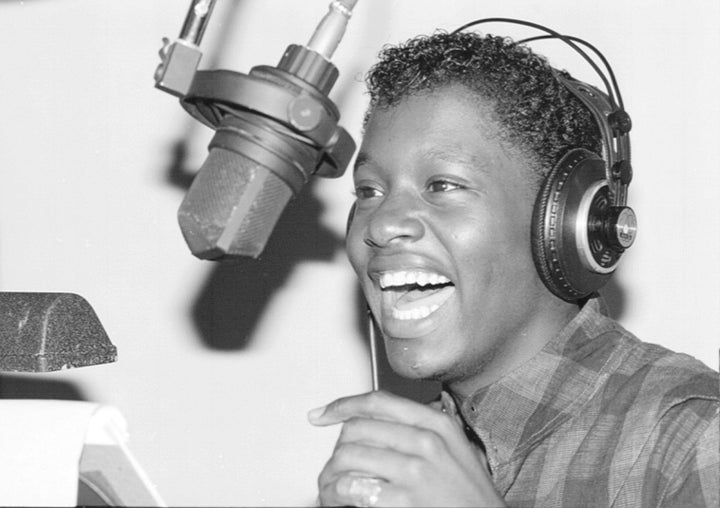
331 28
373 352
196 20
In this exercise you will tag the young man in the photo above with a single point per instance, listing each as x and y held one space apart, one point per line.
546 402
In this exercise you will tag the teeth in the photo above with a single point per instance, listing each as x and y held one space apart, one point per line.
403 278
416 313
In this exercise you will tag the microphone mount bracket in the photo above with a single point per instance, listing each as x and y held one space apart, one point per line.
293 95
278 95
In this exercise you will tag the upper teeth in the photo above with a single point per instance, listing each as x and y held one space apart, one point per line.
403 278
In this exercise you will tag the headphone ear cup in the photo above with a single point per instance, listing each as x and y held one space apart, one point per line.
570 255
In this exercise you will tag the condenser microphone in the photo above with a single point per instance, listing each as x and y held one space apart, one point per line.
275 129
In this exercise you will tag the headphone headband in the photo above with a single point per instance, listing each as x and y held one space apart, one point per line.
615 140
581 223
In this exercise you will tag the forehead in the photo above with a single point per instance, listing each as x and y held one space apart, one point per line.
436 110
450 124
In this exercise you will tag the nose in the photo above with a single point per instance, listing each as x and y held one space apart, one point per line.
394 222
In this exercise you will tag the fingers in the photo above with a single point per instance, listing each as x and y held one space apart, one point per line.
399 479
360 475
396 452
400 437
382 406
377 405
392 452
354 490
358 458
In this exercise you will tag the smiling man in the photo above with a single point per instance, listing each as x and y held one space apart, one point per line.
438 196
546 402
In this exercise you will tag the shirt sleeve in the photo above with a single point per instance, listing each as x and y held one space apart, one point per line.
697 481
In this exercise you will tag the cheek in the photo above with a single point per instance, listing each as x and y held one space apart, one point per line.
355 249
493 252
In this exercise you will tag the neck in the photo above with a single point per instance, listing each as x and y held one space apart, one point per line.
522 344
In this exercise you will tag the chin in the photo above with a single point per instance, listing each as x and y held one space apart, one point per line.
415 367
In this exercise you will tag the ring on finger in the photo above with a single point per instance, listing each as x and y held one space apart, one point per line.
365 491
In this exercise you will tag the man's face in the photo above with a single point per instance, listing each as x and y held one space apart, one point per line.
440 238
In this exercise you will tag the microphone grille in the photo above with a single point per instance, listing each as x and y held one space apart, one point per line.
232 206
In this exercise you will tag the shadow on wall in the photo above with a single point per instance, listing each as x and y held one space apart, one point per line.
233 298
27 387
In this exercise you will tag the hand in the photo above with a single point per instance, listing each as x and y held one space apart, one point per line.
396 452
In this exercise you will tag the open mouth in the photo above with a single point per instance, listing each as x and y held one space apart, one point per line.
414 294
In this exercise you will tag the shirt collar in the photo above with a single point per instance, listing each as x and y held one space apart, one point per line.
522 407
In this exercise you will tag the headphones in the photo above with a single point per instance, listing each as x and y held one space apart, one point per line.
581 223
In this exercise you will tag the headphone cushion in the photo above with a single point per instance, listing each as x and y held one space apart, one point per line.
556 218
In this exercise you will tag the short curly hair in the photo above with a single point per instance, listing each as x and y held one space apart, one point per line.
534 111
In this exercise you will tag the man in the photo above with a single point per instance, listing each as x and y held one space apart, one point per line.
546 402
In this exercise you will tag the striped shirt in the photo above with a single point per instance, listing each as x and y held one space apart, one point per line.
599 418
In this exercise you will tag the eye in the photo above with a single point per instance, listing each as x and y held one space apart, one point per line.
444 185
367 192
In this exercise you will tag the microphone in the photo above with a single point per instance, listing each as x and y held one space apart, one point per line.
275 129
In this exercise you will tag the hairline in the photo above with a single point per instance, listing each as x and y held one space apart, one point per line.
494 127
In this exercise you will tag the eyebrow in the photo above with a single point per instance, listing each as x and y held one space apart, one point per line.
452 154
361 159
448 154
